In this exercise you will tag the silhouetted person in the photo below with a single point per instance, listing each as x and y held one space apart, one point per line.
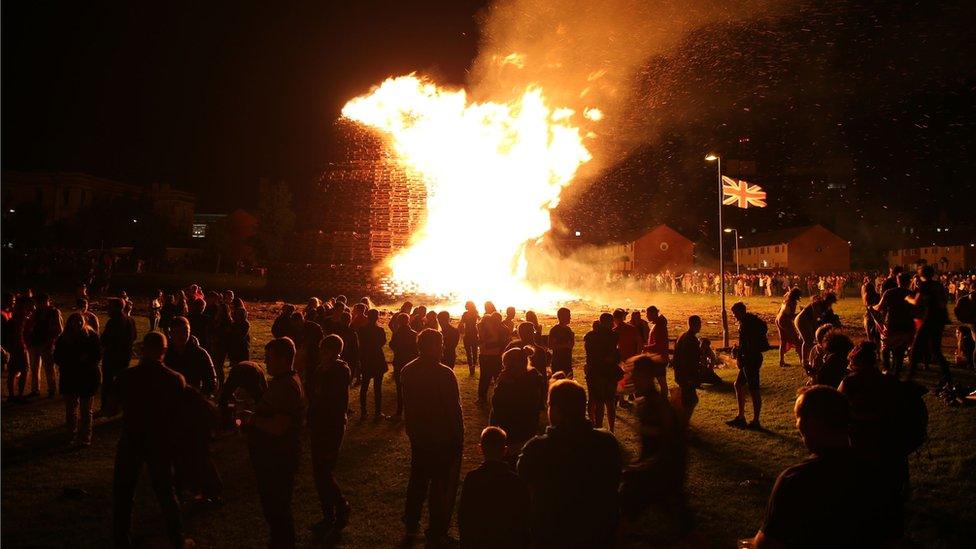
515 404
328 400
469 330
186 357
155 306
869 298
91 319
350 343
657 346
602 371
569 509
199 322
930 300
831 372
196 470
280 326
451 338
492 338
494 507
897 327
15 343
748 354
273 437
832 499
77 353
540 357
45 326
117 339
220 323
789 337
372 339
239 337
686 364
149 395
561 341
403 342
657 478
435 426
892 281
809 319
245 376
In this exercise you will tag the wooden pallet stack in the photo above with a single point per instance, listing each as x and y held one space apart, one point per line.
375 205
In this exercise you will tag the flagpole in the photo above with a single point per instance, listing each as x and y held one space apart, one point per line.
721 252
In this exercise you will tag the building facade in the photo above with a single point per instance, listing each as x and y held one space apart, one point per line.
811 249
659 249
952 257
63 196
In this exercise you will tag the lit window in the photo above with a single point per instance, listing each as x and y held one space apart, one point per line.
199 230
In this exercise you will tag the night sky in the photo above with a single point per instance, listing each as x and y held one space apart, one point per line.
877 97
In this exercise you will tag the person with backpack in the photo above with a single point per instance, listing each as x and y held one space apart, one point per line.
753 342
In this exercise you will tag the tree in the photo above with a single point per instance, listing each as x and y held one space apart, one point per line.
276 220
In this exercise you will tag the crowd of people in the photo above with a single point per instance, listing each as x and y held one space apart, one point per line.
551 476
776 283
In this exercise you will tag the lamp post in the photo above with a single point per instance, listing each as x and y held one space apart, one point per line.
721 251
735 234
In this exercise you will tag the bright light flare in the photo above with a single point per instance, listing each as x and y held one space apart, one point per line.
492 170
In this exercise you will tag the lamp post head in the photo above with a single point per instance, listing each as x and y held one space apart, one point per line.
711 157
728 230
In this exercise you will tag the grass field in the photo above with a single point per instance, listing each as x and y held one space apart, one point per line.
55 497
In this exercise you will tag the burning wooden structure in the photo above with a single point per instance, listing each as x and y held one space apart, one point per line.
373 206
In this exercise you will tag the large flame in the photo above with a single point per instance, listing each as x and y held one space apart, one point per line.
492 170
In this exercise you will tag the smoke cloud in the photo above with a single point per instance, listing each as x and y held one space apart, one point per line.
588 55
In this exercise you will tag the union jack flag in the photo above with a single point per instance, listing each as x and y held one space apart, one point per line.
742 193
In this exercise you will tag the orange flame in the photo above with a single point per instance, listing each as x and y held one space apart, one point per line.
492 170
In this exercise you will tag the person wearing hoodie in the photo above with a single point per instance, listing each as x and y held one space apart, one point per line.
185 356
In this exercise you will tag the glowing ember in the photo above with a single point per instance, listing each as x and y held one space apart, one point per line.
493 171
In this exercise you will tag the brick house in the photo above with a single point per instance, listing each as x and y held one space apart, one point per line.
811 249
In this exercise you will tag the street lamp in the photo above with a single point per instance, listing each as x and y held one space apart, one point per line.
735 234
712 157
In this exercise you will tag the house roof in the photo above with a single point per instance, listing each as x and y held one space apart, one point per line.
781 236
658 227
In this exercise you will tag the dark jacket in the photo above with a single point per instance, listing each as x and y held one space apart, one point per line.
687 355
371 342
515 407
328 398
494 508
239 342
350 346
602 356
150 395
752 336
77 357
432 406
452 336
403 342
194 364
573 474
117 339
200 327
